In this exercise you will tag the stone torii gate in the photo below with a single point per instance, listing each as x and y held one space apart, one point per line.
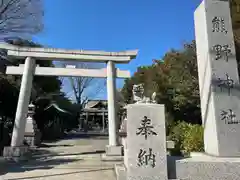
29 69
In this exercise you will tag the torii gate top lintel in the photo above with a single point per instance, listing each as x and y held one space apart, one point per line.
65 54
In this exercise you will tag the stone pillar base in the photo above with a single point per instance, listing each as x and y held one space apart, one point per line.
114 150
33 139
120 172
30 141
204 167
15 153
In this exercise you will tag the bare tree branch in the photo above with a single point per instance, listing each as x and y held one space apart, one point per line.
1 3
20 18
74 89
85 88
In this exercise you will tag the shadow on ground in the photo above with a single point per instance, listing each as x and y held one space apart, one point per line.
80 135
40 158
85 136
61 174
34 162
42 154
53 145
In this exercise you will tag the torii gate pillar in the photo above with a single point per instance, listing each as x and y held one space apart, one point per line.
112 149
23 101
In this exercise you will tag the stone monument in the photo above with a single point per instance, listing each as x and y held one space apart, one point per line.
32 134
146 142
144 139
219 93
218 78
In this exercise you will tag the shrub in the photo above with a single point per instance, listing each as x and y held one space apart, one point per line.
187 138
193 139
177 135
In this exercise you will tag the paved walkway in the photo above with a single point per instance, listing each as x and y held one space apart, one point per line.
78 158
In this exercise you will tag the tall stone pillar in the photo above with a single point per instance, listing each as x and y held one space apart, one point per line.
219 94
111 95
23 101
112 148
218 78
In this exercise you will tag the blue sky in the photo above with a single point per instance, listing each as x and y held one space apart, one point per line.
152 26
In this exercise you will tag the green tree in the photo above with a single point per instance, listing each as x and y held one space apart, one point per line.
235 14
175 80
54 113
